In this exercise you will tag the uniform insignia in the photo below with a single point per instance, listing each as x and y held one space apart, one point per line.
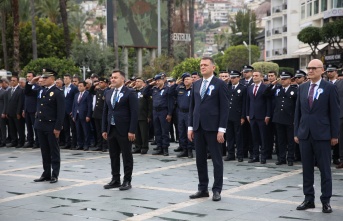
292 92
239 91
51 94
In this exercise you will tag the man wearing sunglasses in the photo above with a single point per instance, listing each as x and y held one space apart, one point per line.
316 129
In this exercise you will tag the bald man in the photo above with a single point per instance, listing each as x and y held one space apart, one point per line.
316 129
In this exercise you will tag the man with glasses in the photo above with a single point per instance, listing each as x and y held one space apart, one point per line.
316 129
49 121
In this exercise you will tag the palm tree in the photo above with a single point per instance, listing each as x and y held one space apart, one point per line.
16 42
77 21
4 8
50 9
24 13
64 15
34 35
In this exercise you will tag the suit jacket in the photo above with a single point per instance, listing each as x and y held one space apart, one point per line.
322 120
237 103
284 103
69 99
3 93
50 110
339 85
30 101
211 112
259 106
14 104
99 103
124 112
242 81
83 107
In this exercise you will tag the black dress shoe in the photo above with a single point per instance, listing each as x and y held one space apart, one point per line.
97 149
136 151
20 145
216 196
263 162
199 194
153 143
3 145
11 145
79 148
42 179
112 184
178 149
190 153
27 145
254 160
184 153
306 205
86 148
326 208
280 162
229 158
240 159
144 151
125 186
336 162
53 180
290 163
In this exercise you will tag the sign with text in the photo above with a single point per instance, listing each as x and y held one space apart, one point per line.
181 37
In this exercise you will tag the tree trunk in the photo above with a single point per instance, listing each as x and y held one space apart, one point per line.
115 34
191 26
64 15
170 27
3 37
34 35
16 42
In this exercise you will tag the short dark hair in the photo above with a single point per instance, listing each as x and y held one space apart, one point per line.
67 75
32 72
273 72
15 76
208 58
77 77
119 71
83 82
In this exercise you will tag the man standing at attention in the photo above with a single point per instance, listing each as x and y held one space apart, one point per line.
119 124
209 99
316 129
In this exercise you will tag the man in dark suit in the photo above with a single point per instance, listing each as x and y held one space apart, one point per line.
30 107
99 89
14 105
339 85
237 105
208 115
285 96
82 112
69 91
119 126
316 129
3 121
258 114
49 120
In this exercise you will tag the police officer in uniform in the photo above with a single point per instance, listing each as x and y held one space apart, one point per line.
182 93
49 121
237 114
285 96
99 89
162 102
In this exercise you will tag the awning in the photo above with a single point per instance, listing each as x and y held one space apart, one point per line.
308 50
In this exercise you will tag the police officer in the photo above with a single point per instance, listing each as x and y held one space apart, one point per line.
99 89
182 93
162 102
144 116
174 136
285 96
49 121
237 114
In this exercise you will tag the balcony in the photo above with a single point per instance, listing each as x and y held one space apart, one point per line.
284 6
284 51
277 9
277 52
268 33
284 28
277 31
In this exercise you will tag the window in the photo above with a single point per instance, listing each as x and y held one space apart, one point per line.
324 5
316 7
309 8
302 11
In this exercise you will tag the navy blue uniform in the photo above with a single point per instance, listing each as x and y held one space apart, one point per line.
30 108
49 117
162 103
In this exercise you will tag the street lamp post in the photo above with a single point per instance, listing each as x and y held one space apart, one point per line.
84 69
250 41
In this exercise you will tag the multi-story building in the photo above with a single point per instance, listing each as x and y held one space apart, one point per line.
216 10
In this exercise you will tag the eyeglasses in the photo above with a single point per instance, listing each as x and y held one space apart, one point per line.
329 71
45 77
312 68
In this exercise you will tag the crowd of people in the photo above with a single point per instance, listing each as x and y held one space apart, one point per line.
242 112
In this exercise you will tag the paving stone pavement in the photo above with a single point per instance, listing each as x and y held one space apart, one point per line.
161 186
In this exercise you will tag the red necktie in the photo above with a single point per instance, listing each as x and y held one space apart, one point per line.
80 96
255 91
310 95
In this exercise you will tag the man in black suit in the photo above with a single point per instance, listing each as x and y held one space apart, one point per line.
3 121
99 89
82 112
316 129
119 126
49 120
208 115
339 85
30 107
69 91
258 114
14 105
285 96
237 105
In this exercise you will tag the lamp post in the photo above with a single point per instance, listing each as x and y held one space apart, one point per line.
84 69
250 41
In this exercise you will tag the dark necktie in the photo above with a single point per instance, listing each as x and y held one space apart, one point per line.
203 89
310 95
255 91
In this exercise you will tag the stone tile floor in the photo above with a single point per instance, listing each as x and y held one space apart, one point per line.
161 186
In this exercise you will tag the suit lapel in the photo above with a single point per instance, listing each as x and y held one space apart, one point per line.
315 100
208 86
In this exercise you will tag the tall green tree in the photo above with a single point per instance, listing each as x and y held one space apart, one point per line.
237 56
16 29
311 36
77 21
64 16
4 9
332 33
243 20
34 34
49 9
